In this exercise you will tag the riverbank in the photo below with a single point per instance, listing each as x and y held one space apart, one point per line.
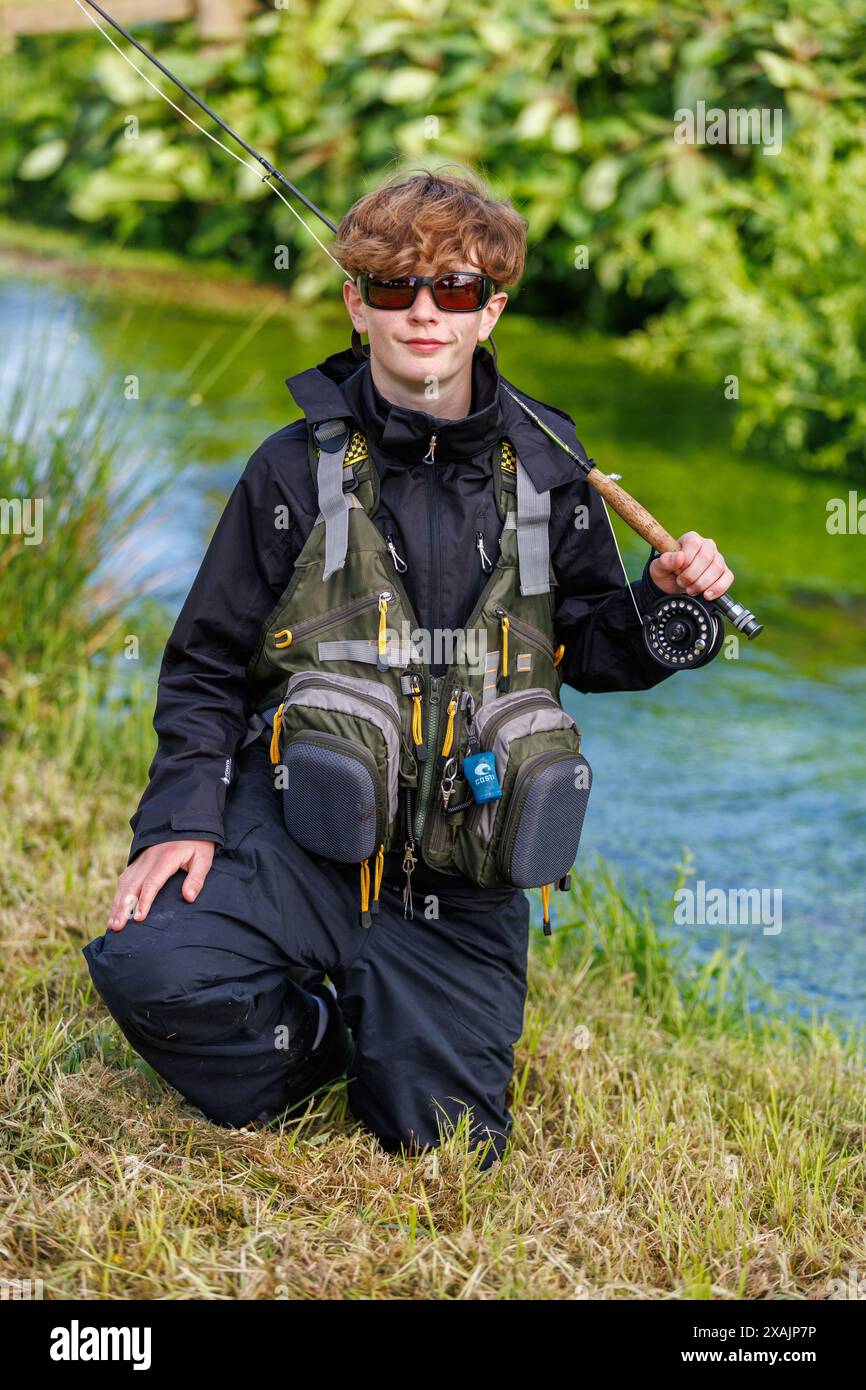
673 1136
676 1133
71 259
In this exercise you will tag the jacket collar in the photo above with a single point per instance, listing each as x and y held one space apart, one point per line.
340 385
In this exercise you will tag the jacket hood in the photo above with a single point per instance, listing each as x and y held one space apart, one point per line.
341 386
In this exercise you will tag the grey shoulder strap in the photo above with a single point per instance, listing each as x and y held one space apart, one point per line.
332 438
533 542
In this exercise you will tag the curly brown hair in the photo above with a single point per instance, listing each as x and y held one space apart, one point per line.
434 218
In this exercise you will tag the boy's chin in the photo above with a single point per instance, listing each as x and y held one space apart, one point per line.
418 366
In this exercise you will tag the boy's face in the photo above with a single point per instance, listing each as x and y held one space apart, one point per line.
412 345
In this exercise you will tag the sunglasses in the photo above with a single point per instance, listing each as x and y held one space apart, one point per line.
454 291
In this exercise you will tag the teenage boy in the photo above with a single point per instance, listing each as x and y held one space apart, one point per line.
218 976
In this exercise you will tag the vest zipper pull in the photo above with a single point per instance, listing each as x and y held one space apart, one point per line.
275 736
365 892
382 641
545 907
379 868
414 687
503 680
486 562
429 457
399 563
448 739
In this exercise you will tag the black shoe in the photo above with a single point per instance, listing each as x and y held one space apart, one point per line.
329 1060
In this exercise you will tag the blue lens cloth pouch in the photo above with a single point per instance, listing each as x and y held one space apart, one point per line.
480 772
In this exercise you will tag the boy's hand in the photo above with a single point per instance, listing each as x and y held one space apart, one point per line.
141 880
695 568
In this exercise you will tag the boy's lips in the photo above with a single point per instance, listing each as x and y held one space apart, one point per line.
424 344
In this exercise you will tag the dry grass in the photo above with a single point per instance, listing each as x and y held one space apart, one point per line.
667 1143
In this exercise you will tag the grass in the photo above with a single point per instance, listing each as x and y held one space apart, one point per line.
676 1136
671 1140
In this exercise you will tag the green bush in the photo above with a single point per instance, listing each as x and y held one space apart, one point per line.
722 258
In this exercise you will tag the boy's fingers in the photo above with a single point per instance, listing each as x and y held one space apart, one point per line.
707 577
199 868
125 899
720 586
672 559
159 874
699 561
122 911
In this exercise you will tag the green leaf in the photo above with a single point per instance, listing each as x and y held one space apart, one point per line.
43 160
408 84
565 133
782 72
600 182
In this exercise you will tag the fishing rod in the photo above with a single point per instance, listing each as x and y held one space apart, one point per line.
680 630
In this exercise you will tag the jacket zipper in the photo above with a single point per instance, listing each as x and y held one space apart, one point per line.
301 631
486 562
435 537
399 563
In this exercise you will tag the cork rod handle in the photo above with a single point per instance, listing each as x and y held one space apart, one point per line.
638 518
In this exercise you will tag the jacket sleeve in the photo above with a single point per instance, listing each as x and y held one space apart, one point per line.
595 615
203 700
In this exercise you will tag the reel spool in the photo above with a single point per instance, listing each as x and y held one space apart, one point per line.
682 632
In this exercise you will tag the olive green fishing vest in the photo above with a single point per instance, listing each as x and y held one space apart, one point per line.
367 744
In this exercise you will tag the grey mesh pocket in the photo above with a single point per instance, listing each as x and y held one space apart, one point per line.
339 739
541 834
331 804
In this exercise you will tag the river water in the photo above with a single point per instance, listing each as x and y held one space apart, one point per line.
753 768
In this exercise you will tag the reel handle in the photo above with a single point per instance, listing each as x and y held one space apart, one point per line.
645 524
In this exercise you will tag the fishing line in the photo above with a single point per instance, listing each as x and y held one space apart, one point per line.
679 631
193 122
619 556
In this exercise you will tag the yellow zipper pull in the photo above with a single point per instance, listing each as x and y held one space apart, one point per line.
545 906
365 892
283 638
503 680
382 649
448 740
412 685
558 654
379 869
275 736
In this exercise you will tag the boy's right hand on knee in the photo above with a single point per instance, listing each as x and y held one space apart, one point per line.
141 880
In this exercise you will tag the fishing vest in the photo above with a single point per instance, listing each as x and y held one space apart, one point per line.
368 746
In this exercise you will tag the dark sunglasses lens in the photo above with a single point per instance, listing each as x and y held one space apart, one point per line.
456 292
389 294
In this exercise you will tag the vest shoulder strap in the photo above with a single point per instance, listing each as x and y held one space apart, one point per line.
340 463
359 473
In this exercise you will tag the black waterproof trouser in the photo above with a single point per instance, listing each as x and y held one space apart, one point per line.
203 990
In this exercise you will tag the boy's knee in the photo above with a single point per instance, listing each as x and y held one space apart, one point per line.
150 986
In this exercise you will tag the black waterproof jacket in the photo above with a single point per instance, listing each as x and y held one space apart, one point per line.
433 512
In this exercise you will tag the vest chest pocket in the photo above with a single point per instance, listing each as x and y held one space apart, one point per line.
530 836
338 738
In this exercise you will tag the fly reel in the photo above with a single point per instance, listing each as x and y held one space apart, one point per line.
682 632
